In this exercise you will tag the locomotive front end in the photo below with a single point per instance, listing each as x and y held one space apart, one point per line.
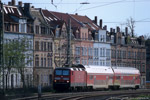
61 79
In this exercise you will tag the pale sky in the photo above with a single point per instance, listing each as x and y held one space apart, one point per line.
112 12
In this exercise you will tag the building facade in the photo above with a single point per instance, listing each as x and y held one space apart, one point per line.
15 27
102 50
147 44
127 51
43 47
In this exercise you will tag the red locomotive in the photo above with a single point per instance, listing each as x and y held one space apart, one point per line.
79 77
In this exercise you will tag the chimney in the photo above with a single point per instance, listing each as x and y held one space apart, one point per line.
20 3
126 31
118 29
13 2
76 13
9 3
95 20
27 9
32 7
111 29
114 30
105 27
100 23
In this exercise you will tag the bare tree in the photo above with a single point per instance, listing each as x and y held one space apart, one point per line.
60 55
131 24
147 36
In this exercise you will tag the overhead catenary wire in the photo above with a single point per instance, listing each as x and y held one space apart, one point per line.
102 5
92 2
83 3
135 21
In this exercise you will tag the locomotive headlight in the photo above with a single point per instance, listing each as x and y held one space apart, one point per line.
67 81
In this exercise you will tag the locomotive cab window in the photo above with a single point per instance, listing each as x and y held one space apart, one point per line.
65 72
62 72
58 72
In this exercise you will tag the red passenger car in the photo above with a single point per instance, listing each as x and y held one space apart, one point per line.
99 77
126 77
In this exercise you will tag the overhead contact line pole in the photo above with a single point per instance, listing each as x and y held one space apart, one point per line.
69 44
1 45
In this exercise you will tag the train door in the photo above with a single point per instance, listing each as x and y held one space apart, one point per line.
95 82
110 81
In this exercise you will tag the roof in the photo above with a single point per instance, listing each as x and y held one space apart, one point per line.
77 20
35 13
66 17
126 70
98 69
52 19
10 11
49 16
87 22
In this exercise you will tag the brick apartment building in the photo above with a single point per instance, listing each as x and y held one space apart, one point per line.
127 51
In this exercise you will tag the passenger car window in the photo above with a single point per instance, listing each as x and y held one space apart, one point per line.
91 77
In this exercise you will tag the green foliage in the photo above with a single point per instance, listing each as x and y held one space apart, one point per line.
128 39
15 53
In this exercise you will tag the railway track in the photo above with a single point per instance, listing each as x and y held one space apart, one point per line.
102 95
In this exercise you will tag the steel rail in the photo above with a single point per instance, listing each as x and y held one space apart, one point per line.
110 94
83 95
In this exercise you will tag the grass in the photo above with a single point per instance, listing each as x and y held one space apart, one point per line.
142 97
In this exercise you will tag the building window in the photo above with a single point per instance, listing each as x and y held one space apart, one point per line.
43 30
37 29
123 40
22 26
82 48
101 50
37 45
31 62
91 52
42 46
7 26
16 79
41 62
96 52
44 62
49 62
129 55
85 51
143 55
107 52
50 47
77 50
112 39
37 61
119 40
